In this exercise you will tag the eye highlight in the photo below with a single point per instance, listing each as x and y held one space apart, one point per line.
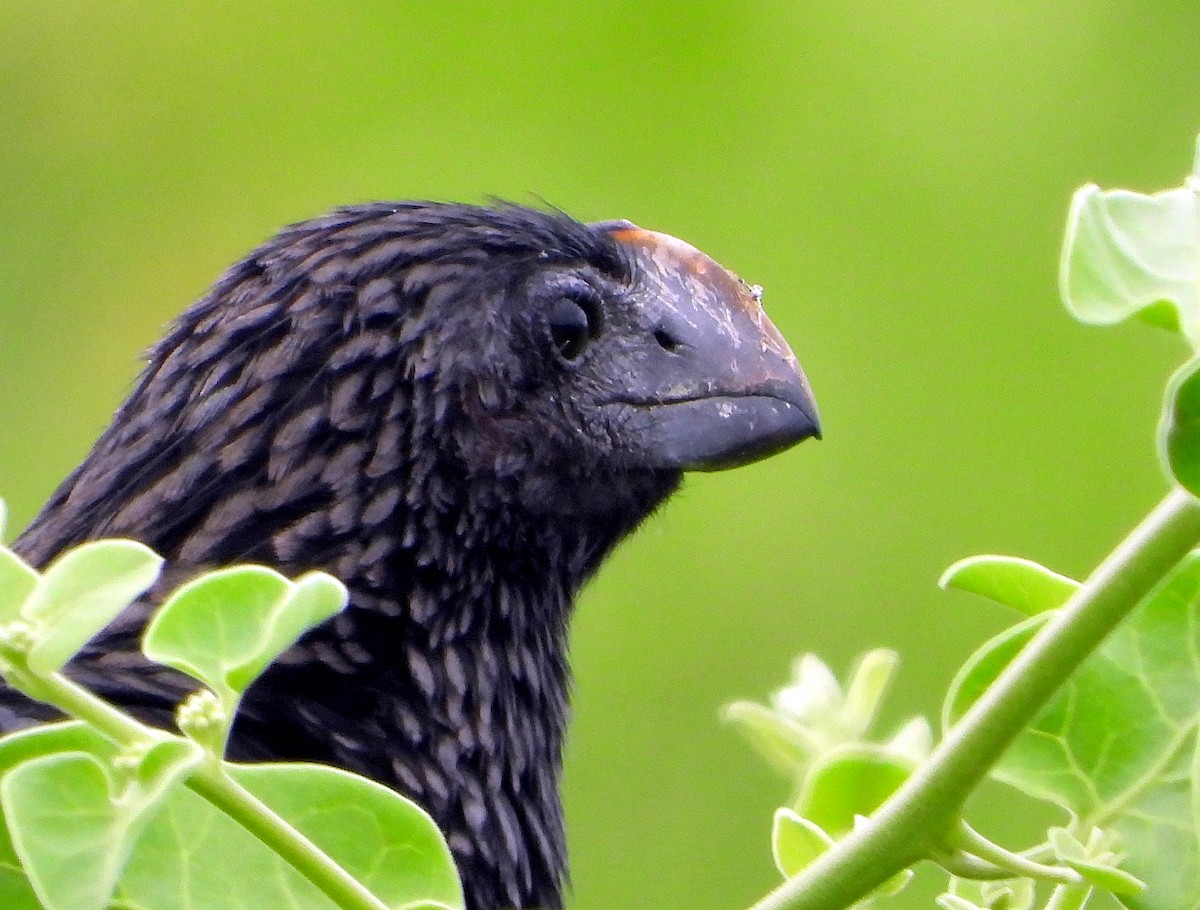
572 322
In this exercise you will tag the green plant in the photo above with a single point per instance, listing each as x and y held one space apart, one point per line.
1090 702
105 811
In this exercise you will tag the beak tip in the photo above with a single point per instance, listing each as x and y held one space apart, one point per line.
814 418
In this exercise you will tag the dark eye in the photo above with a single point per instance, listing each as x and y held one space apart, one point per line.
572 323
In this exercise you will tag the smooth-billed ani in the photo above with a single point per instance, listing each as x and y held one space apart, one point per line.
458 411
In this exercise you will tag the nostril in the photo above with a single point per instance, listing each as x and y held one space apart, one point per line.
667 341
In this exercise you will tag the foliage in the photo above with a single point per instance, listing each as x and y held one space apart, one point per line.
1114 743
104 811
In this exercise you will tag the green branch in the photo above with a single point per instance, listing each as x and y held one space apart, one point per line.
919 816
1069 897
972 842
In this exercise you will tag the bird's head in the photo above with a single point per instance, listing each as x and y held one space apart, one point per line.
393 356
607 351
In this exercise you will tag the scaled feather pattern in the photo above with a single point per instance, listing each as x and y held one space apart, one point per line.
459 411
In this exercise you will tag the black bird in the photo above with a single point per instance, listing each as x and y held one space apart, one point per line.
459 411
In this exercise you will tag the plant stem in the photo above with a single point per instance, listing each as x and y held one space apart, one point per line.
975 843
918 815
78 702
211 783
962 864
1069 897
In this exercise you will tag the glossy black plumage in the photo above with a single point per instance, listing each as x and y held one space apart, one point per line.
378 393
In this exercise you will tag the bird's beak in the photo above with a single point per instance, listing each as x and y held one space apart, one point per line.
717 386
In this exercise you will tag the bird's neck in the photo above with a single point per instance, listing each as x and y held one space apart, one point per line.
447 676
453 656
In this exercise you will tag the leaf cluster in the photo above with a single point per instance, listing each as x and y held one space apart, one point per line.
1116 745
102 811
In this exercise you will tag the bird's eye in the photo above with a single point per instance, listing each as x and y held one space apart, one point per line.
572 323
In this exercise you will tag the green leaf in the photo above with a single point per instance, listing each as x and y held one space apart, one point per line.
313 598
913 741
847 782
1022 584
868 682
16 893
17 581
225 627
1005 894
796 842
66 829
3 520
1115 880
1179 431
47 739
73 825
786 745
1094 862
1127 253
404 859
813 699
80 593
192 855
984 665
1118 745
215 622
1066 846
159 768
72 819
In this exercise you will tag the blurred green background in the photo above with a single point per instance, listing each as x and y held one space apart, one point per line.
896 175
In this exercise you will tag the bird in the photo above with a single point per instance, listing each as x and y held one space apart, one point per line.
459 411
